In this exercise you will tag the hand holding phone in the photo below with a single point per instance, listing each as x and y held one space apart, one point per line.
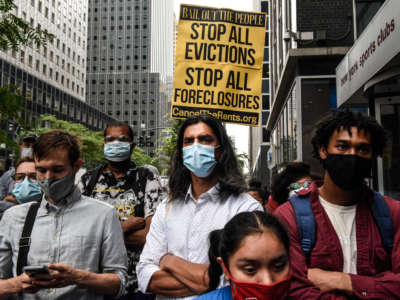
35 270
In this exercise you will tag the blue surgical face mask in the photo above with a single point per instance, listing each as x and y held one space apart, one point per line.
199 159
26 191
117 151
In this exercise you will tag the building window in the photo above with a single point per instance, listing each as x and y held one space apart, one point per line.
365 10
22 56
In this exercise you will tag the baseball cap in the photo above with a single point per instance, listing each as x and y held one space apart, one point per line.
30 138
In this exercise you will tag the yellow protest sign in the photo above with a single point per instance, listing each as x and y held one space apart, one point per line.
218 64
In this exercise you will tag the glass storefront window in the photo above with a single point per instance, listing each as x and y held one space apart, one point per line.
266 54
285 138
264 119
265 102
265 73
265 86
316 99
291 129
365 10
390 120
286 148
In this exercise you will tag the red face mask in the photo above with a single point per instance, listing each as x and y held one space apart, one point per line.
242 290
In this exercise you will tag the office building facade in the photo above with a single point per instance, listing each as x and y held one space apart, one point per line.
120 78
314 44
259 143
308 40
52 77
162 58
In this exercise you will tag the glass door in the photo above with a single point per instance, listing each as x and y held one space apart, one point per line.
388 115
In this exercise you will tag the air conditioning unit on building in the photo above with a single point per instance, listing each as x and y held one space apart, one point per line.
305 35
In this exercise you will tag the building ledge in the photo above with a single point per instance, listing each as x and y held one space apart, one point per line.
289 72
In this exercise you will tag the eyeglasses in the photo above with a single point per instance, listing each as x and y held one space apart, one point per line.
295 186
18 177
121 138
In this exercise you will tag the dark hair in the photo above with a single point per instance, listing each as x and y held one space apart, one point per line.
338 120
227 171
291 172
256 186
119 124
254 183
57 139
28 138
225 242
25 159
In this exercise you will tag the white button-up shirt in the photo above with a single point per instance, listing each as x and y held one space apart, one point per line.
181 227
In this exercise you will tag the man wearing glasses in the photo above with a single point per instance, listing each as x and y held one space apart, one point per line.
25 188
25 149
134 192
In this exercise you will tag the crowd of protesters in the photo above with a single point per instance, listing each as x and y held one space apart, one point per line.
117 235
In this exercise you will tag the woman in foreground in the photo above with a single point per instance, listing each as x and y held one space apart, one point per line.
252 251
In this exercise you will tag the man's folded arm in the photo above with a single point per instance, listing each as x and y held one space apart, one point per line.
138 237
301 287
165 283
193 275
150 276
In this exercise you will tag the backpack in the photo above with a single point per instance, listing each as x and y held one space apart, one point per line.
306 224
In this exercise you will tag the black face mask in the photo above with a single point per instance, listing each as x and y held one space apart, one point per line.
347 171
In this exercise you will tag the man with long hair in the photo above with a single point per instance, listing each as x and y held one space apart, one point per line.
206 189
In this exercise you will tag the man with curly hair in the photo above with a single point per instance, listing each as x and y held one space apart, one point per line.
352 257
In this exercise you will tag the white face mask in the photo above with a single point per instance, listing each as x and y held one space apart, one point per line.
26 152
117 151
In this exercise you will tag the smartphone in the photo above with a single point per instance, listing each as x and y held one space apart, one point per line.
34 270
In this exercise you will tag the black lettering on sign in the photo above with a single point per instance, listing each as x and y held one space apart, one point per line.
195 34
210 31
194 13
205 76
238 36
190 12
220 52
237 81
